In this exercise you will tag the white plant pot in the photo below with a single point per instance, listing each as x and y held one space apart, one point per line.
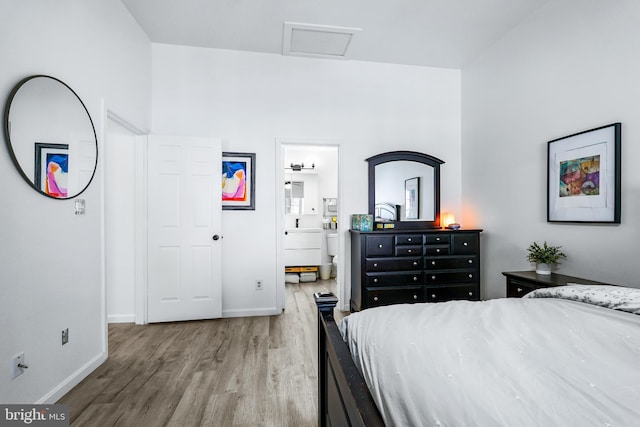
542 268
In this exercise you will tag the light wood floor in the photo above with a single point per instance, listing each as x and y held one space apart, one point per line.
255 371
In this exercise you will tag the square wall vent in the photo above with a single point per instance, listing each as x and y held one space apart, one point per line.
319 41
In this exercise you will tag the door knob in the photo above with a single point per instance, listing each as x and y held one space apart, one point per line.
215 237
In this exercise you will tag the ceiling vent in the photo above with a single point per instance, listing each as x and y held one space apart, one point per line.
318 41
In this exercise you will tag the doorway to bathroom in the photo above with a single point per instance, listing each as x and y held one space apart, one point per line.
308 214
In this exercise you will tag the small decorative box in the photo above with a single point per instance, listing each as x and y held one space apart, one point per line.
362 222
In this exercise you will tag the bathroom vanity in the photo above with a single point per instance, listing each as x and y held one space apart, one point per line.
303 246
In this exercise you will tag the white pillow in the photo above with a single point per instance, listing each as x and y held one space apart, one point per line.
614 297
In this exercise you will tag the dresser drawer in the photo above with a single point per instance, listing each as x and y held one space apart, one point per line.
409 239
517 289
385 279
393 264
408 250
464 243
437 239
447 293
450 263
385 296
436 250
379 245
451 277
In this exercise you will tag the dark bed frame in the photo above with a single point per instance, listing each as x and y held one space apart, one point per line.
343 396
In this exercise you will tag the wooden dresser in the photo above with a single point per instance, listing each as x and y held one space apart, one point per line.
394 267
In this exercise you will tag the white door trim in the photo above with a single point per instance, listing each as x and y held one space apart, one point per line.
279 226
141 230
140 215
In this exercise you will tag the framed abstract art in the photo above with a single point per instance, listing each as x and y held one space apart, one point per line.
238 181
51 173
583 176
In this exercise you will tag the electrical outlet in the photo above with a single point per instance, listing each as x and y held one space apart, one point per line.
65 336
17 365
259 285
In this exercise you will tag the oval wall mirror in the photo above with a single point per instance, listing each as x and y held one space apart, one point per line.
50 137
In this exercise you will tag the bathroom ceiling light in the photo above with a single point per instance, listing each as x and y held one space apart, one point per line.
300 166
320 41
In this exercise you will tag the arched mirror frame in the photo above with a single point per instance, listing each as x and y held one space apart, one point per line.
412 156
8 142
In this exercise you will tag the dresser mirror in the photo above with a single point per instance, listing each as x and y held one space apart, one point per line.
50 137
404 189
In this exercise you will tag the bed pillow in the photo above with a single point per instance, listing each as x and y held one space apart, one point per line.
614 297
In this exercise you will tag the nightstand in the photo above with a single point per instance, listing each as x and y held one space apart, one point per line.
520 283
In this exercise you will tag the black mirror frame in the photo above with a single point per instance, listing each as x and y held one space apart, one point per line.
412 156
7 136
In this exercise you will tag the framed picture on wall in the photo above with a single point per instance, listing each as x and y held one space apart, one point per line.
412 197
583 176
51 173
238 181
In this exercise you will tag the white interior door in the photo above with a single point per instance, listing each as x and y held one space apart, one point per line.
184 220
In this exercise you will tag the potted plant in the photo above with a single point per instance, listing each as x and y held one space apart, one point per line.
544 256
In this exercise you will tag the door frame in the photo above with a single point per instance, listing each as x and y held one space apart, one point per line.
279 226
140 224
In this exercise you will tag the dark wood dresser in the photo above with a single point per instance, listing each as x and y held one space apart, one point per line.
520 283
394 267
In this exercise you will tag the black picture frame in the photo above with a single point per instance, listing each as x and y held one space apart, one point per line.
234 164
583 176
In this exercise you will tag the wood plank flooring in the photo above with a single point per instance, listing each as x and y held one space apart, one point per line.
254 371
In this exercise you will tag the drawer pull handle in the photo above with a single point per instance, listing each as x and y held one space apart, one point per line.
470 261
415 263
437 239
465 244
375 280
519 289
433 296
375 264
409 239
470 276
433 277
438 250
375 298
470 294
408 251
380 246
415 297
415 279
433 263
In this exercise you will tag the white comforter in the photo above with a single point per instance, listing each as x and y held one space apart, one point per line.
505 362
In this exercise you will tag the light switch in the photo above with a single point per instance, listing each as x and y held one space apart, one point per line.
80 209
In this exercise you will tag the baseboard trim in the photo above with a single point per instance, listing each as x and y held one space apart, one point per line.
121 318
270 311
73 380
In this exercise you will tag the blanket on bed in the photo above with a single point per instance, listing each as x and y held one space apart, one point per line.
504 362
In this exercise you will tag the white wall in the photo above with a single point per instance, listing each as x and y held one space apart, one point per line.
250 99
119 155
50 258
571 67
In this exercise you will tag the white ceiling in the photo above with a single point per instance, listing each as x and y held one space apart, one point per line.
440 33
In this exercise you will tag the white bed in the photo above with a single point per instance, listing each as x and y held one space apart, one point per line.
545 360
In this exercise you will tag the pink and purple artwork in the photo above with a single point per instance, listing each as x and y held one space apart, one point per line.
238 181
580 177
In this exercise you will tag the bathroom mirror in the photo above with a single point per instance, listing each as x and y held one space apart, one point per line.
301 193
404 188
50 137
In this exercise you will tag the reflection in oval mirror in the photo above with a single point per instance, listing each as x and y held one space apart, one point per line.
50 137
